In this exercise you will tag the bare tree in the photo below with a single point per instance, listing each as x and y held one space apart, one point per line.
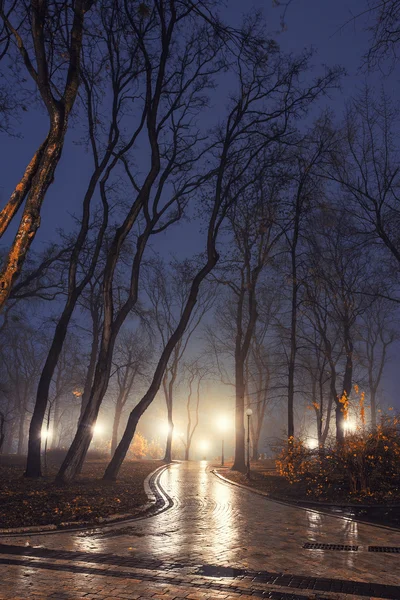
262 365
173 90
337 296
304 187
384 29
314 377
21 356
167 290
47 37
256 228
131 361
366 165
378 330
113 64
195 373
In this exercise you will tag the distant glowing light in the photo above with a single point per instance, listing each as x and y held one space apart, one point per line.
223 424
46 434
349 426
204 445
77 393
98 429
165 428
312 443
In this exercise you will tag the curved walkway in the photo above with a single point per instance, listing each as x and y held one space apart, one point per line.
215 541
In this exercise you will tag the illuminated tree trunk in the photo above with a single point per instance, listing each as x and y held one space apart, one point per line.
41 170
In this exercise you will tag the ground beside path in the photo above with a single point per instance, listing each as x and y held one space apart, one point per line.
264 478
37 502
217 541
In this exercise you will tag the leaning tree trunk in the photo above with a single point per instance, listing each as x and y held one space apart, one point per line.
77 451
33 466
113 468
41 170
30 219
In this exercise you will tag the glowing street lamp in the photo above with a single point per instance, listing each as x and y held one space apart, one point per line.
223 426
45 434
349 426
312 443
249 412
165 428
98 429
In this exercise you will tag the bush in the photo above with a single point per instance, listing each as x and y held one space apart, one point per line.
365 466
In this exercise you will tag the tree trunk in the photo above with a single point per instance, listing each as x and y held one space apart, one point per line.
33 463
21 433
75 457
339 425
9 438
114 466
256 454
117 419
112 470
92 362
30 220
56 421
168 447
240 454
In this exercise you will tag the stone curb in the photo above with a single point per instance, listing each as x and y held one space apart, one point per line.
299 507
153 497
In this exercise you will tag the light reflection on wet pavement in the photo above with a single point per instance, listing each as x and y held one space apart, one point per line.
214 523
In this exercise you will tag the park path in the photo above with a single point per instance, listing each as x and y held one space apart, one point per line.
216 541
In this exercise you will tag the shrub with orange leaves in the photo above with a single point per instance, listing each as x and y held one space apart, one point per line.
138 447
366 466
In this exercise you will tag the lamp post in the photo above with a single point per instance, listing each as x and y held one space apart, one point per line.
249 412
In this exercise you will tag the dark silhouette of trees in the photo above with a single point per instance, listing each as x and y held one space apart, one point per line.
175 78
131 358
47 37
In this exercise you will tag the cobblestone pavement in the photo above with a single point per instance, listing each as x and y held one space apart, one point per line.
216 541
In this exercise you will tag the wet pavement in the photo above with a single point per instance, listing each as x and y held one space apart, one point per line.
212 540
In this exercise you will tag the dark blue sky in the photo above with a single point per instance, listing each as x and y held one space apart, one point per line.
309 23
316 23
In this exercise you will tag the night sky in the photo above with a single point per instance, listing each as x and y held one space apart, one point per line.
310 23
320 24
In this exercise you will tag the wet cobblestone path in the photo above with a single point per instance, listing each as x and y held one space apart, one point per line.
215 541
